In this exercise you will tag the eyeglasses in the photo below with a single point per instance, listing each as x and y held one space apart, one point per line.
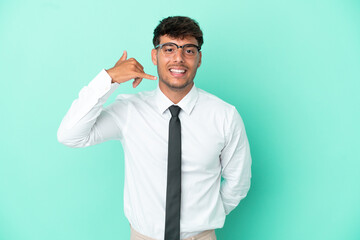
170 49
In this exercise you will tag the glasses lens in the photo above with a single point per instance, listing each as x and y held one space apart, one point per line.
169 48
190 50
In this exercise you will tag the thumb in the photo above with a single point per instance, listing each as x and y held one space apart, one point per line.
124 56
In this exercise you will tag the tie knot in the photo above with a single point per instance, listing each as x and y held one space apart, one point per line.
174 110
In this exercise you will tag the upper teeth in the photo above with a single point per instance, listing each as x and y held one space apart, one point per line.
177 70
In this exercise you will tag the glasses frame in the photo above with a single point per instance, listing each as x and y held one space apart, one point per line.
188 44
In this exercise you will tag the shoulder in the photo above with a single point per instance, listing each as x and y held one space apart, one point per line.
218 109
137 97
124 101
213 102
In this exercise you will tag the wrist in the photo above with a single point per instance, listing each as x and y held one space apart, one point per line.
109 72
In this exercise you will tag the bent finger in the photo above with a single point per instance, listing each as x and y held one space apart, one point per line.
136 82
139 65
138 69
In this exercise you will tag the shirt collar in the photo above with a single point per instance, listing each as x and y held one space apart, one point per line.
186 104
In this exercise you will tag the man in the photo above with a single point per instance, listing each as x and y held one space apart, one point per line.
178 140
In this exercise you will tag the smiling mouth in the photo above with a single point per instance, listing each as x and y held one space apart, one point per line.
176 72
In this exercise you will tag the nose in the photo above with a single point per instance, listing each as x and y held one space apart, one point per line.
178 56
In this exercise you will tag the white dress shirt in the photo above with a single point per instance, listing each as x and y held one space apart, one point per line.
214 144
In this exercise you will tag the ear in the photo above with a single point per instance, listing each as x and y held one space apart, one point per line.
154 56
200 55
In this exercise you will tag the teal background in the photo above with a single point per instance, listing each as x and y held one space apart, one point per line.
292 69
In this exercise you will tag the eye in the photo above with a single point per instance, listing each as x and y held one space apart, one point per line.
168 49
190 50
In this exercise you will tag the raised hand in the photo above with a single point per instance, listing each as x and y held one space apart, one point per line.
127 69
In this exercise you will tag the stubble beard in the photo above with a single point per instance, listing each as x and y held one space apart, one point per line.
174 87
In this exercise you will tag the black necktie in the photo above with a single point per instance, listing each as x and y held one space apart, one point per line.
173 190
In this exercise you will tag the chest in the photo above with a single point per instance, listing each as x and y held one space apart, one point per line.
202 140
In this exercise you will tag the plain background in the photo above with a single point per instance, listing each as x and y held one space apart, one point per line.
291 68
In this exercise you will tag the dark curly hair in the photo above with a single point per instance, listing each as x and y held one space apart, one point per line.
178 27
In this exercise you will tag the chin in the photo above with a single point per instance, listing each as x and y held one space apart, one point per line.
177 86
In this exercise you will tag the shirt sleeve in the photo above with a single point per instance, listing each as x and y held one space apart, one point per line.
87 122
236 164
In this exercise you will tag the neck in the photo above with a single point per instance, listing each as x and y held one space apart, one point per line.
175 94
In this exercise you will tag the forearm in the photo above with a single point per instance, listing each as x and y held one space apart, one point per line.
236 164
233 190
77 127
